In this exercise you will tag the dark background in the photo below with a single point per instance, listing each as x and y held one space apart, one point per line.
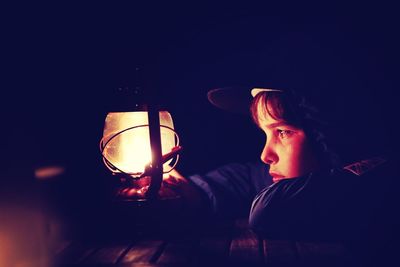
63 62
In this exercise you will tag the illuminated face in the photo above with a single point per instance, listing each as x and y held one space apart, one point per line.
286 149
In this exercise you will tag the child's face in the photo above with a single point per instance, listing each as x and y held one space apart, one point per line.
286 149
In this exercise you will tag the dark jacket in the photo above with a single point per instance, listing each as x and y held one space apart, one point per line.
356 202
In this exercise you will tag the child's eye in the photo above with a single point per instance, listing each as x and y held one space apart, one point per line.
284 133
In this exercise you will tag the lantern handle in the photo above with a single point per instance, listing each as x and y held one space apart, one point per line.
175 151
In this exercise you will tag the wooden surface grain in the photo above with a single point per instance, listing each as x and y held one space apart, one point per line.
240 247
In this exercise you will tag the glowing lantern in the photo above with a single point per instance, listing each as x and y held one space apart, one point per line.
127 143
136 145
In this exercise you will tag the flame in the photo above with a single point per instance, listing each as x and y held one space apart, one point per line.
130 151
134 150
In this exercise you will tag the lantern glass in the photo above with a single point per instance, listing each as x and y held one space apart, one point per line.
127 139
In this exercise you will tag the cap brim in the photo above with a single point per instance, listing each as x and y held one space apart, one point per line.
233 99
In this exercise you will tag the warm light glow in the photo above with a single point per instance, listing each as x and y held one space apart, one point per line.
48 172
130 150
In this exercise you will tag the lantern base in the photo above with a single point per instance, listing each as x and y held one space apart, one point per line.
147 216
139 199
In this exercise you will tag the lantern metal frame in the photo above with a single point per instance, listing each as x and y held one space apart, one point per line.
139 175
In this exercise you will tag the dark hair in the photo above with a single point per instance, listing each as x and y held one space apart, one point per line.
295 110
277 105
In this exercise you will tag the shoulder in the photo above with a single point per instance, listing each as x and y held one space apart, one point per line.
366 166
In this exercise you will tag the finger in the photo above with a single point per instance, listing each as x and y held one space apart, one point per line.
171 180
176 174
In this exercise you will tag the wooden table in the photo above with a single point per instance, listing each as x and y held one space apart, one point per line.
240 247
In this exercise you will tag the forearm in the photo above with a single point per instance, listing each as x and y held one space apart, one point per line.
227 190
